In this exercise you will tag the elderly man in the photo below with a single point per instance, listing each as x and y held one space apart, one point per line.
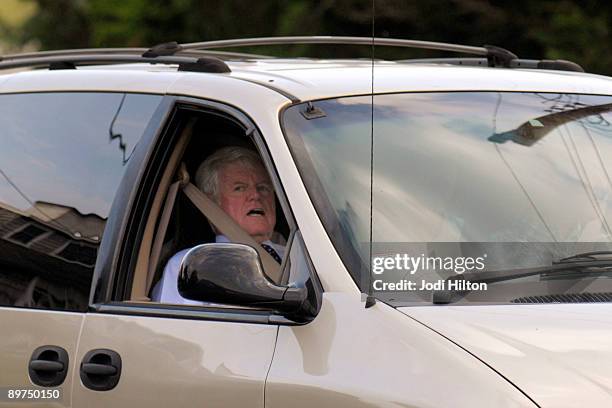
235 178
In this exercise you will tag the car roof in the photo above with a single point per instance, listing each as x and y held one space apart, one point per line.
303 79
319 79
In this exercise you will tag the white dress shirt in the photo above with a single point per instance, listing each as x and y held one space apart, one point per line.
166 290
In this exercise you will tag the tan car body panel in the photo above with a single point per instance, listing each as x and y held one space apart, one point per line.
350 356
311 79
178 362
541 348
23 331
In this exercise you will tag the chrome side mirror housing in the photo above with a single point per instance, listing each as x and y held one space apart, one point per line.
232 273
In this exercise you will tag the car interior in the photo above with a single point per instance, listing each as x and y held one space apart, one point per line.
176 222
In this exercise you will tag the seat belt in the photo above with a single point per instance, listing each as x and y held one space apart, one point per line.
139 283
228 227
164 221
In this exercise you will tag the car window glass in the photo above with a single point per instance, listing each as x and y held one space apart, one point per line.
226 167
514 180
62 158
488 167
333 153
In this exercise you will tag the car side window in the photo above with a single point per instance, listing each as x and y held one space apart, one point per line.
214 158
63 156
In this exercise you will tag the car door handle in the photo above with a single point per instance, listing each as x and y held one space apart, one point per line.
45 365
101 369
98 369
48 366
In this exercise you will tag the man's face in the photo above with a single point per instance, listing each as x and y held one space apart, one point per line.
246 195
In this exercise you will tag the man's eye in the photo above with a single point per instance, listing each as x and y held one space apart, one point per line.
264 189
239 188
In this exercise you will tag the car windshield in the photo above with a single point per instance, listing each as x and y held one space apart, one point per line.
424 187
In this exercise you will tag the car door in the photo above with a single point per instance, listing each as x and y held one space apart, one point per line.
135 352
58 177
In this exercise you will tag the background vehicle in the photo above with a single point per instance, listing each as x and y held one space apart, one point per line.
443 157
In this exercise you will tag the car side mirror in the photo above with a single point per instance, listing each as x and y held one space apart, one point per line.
233 274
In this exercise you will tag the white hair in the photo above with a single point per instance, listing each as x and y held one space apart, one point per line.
207 175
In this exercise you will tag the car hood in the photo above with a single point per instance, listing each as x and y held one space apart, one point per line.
559 355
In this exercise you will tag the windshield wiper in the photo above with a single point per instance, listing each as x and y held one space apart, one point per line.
585 255
560 266
586 262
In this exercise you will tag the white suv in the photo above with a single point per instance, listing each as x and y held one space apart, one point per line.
447 230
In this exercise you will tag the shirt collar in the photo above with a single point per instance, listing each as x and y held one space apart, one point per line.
224 239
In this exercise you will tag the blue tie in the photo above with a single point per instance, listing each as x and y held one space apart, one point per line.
272 252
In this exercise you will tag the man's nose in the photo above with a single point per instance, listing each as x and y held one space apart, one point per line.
253 193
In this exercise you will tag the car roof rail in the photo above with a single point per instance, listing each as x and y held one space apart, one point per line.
495 56
165 52
130 51
334 40
557 65
70 61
